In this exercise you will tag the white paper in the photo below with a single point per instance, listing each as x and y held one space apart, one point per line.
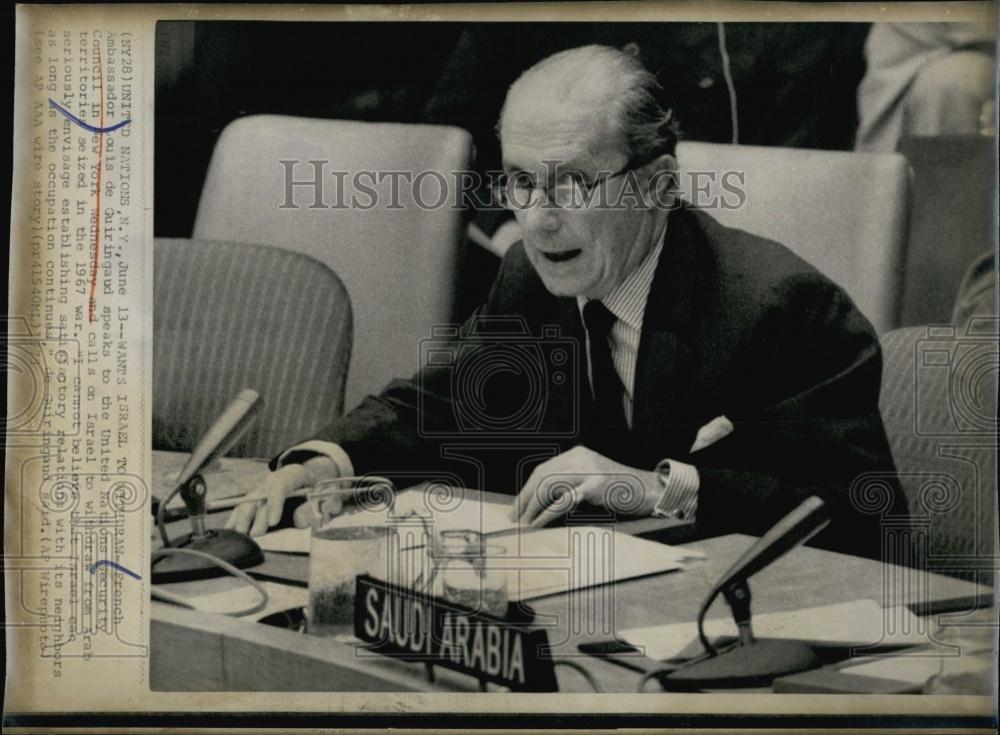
224 478
562 559
285 541
917 670
910 669
279 597
543 562
539 562
460 514
859 623
457 513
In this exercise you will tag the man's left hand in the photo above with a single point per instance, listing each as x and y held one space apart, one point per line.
560 484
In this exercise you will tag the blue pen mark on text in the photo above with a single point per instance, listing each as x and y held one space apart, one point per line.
86 126
119 567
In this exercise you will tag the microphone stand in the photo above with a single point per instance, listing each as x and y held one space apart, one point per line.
237 549
750 662
738 596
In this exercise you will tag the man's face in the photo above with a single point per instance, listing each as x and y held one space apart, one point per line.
577 252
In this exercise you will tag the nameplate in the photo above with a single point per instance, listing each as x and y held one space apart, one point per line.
402 623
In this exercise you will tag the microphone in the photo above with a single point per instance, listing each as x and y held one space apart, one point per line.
751 662
230 546
224 432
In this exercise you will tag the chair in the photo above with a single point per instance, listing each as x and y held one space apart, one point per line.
938 402
954 200
229 316
845 213
397 259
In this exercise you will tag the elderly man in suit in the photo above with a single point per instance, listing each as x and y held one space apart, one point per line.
702 372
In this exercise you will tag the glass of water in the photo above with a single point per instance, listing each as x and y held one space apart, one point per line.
342 547
469 572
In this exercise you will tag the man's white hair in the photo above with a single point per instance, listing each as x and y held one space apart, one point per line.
609 79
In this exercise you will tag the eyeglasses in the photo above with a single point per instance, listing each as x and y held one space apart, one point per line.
571 190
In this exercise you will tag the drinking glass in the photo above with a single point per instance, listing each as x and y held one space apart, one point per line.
469 572
342 547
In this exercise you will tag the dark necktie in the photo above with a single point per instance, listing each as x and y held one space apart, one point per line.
607 422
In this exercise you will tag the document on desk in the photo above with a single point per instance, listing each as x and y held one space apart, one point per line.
556 560
225 477
467 514
537 562
552 561
454 513
856 623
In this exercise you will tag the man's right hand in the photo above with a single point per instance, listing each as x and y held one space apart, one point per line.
256 518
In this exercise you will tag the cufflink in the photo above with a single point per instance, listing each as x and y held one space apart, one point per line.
666 506
671 515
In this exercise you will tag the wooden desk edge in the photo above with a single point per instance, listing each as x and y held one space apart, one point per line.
199 651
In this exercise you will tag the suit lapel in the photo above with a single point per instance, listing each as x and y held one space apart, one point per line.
663 422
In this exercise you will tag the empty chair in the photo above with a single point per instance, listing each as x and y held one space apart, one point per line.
844 213
396 251
231 316
939 402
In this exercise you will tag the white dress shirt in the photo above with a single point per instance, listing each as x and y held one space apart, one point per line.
628 303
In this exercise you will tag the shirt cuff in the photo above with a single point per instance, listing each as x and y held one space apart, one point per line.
680 492
315 447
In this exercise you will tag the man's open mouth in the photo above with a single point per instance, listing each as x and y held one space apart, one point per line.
563 256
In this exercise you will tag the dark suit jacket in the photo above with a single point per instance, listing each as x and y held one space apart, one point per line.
735 325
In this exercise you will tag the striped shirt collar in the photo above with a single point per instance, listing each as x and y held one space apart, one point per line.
628 300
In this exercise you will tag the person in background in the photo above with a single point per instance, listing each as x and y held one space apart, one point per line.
926 79
977 294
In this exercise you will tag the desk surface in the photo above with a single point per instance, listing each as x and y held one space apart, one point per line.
196 651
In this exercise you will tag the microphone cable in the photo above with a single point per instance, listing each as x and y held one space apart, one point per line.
671 668
166 549
157 591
